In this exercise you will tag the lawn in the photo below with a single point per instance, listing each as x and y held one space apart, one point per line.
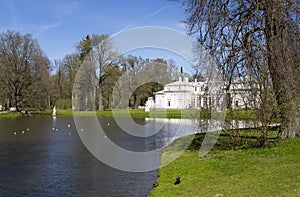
10 114
134 113
170 113
271 171
139 113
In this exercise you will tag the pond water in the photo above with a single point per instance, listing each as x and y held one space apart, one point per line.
42 156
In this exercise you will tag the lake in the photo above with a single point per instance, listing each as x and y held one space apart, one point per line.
44 156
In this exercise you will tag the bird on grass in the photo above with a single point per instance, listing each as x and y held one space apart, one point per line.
177 181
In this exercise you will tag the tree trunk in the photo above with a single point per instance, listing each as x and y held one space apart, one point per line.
100 97
228 99
121 102
280 70
17 100
136 101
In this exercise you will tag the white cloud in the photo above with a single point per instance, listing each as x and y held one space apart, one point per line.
50 26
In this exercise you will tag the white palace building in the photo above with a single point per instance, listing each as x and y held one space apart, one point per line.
183 94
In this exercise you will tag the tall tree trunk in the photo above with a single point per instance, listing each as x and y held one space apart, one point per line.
17 100
121 102
100 97
136 101
280 70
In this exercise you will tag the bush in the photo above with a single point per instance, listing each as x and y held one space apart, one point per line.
64 103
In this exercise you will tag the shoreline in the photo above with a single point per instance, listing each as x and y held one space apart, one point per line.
139 113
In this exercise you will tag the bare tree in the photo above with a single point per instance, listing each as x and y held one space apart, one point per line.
172 70
22 63
109 83
103 55
70 66
139 79
60 79
40 90
134 65
244 35
92 70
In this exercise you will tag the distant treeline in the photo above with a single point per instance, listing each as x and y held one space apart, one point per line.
28 79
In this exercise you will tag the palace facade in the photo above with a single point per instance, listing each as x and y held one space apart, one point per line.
183 94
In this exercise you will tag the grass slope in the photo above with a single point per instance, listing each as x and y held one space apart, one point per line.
273 171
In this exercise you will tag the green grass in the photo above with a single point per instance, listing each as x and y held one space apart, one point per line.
270 171
31 113
134 113
139 113
241 115
10 115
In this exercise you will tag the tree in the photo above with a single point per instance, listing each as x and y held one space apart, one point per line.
172 70
23 65
134 65
99 50
244 35
138 79
143 77
109 83
40 90
70 66
60 79
84 47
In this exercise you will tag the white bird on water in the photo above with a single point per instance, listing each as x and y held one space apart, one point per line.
15 133
27 129
23 132
108 124
69 125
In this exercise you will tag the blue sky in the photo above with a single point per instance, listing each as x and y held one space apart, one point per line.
59 24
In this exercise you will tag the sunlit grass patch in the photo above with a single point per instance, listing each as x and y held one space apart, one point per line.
270 171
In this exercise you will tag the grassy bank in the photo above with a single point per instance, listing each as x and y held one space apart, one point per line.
134 113
10 115
139 113
272 171
172 113
6 114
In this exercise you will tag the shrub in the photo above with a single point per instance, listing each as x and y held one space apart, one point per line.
64 103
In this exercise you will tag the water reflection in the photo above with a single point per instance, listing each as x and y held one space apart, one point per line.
42 156
49 162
